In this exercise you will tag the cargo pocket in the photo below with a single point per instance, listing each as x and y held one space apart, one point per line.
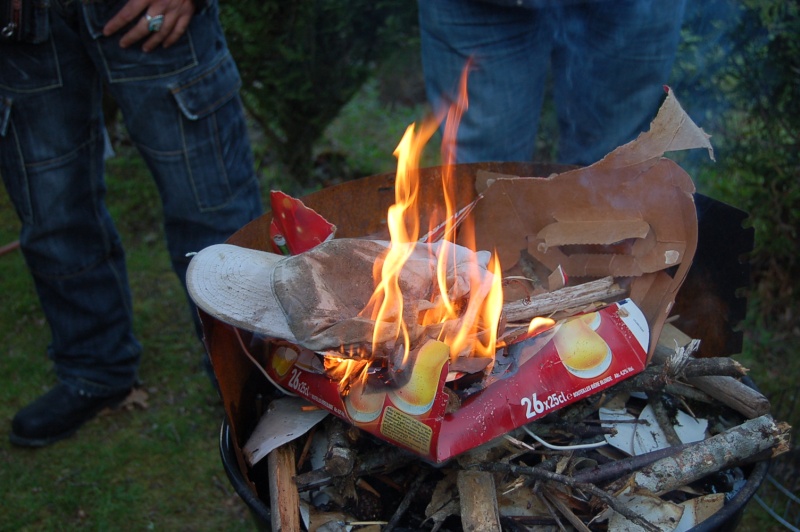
201 96
29 68
214 134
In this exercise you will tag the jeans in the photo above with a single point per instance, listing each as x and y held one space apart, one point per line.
607 61
182 111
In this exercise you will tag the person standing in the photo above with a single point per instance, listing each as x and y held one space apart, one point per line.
167 66
608 61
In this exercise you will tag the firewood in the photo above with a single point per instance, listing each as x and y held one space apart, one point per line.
478 498
714 376
719 452
663 418
544 475
571 297
340 457
283 495
717 366
734 394
625 466
406 502
382 460
565 511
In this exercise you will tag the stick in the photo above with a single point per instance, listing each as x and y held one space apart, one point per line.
719 452
662 417
406 502
618 468
689 392
542 474
718 366
8 248
283 497
734 394
478 498
380 461
571 297
565 511
549 507
340 457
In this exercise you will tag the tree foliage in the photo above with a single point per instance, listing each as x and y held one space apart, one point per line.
747 82
302 61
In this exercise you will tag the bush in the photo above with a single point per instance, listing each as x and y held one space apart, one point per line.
302 61
740 72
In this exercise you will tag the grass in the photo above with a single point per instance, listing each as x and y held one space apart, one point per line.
155 466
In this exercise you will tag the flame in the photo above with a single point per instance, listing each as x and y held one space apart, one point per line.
538 325
344 370
467 318
385 306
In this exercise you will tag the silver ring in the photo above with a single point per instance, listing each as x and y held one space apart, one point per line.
154 23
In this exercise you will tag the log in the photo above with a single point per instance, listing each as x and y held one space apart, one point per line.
283 496
382 460
340 458
713 376
719 452
734 394
478 498
571 297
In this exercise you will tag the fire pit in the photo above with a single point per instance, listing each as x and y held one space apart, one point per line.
437 413
358 208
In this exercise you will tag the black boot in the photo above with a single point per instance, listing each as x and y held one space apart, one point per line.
57 415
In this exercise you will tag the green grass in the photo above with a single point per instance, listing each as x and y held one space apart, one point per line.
155 467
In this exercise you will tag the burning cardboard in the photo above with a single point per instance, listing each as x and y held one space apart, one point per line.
630 216
576 358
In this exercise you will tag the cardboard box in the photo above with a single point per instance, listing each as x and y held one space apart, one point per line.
530 379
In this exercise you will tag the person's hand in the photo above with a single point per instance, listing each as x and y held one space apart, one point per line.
175 17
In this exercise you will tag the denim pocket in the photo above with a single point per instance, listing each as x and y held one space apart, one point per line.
133 63
201 96
29 67
215 135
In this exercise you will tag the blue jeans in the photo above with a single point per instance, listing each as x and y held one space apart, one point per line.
608 62
183 112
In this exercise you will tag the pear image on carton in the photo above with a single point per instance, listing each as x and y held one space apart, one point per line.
584 352
283 359
416 397
364 403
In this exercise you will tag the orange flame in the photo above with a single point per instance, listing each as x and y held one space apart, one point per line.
345 369
469 324
468 315
539 324
386 304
